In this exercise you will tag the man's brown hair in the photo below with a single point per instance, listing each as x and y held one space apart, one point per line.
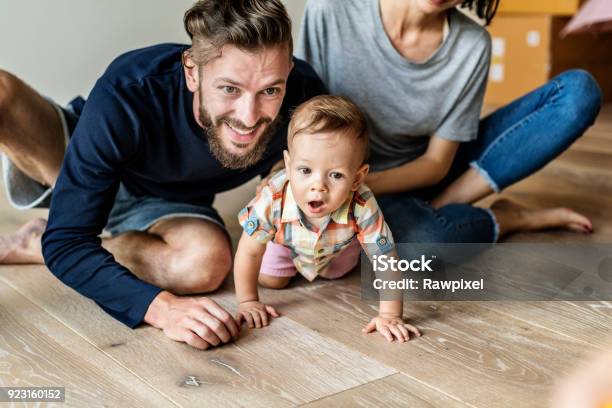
247 24
326 114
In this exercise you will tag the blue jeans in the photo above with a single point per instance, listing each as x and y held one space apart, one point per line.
513 143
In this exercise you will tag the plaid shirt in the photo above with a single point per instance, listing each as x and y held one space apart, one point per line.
273 215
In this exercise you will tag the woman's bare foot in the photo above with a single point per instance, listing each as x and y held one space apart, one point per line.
515 217
23 247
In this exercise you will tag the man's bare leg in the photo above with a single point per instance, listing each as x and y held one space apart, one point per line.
181 255
511 216
31 135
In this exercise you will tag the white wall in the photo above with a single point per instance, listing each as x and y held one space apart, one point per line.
60 47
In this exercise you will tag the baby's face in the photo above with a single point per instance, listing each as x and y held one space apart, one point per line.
323 170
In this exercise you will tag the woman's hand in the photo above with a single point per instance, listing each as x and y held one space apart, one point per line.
391 327
255 314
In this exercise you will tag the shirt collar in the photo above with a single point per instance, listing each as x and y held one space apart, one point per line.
291 211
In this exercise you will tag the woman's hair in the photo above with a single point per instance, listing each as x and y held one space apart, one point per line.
247 24
484 9
326 114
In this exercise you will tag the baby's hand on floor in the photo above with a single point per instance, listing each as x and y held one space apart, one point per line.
391 327
255 314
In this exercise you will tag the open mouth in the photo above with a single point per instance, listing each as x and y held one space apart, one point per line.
315 206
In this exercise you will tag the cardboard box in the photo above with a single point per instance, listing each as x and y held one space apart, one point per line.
527 51
554 7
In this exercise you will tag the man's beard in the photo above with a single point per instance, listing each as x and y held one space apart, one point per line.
227 158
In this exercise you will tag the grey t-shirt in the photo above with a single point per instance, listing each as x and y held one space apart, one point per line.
406 102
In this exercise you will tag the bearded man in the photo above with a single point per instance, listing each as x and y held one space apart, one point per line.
163 130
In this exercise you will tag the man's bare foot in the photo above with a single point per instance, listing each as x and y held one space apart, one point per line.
515 217
23 247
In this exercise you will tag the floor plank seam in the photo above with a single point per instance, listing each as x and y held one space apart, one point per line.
346 390
388 376
568 336
467 404
16 289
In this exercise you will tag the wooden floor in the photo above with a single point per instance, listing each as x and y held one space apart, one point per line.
472 354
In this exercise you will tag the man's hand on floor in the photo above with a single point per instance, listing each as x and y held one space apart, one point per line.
197 321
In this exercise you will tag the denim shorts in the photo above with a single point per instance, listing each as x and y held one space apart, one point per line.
129 212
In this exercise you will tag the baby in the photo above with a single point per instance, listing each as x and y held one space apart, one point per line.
312 216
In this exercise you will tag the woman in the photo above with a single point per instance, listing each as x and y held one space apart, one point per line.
418 68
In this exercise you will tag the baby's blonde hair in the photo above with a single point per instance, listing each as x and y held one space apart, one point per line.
326 113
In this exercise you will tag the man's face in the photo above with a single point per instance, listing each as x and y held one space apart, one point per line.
237 99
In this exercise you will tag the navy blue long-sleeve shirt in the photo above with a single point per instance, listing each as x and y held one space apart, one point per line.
137 127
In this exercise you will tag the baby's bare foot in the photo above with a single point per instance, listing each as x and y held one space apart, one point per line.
23 247
515 217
